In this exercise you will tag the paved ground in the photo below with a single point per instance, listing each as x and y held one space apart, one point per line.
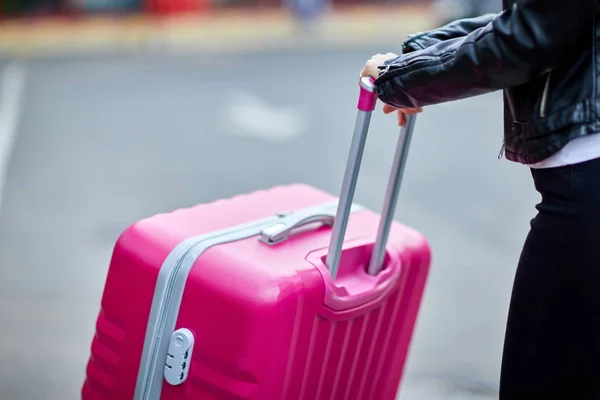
105 141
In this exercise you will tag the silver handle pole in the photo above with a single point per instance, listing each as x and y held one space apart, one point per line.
366 105
347 193
391 197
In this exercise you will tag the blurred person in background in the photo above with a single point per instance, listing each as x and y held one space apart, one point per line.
101 6
306 13
544 55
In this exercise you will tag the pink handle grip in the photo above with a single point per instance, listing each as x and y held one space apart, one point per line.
367 98
354 287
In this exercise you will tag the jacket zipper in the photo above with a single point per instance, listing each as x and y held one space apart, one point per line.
384 70
543 106
514 117
392 70
544 102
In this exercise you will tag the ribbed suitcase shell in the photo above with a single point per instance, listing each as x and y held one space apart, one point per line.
261 315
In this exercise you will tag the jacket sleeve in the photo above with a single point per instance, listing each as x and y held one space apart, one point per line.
455 29
517 45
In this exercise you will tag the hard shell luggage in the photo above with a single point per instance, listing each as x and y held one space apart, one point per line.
284 294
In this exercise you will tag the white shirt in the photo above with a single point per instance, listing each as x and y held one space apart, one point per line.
578 150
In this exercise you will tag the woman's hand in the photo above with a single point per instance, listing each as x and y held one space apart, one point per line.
372 66
402 112
371 69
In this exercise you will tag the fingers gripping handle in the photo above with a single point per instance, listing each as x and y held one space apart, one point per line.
366 104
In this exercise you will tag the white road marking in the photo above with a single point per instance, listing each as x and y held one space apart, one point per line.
253 117
12 85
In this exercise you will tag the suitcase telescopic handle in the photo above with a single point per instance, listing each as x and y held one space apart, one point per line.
366 105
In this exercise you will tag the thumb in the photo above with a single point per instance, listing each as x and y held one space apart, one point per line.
387 109
401 118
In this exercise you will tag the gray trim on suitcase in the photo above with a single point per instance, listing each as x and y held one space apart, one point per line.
169 292
155 332
159 293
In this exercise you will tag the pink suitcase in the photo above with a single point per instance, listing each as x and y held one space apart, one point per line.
284 294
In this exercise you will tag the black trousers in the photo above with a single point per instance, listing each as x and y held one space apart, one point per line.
552 343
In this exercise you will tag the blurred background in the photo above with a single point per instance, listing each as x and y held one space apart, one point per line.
114 110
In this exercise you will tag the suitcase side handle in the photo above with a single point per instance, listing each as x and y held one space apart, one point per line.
294 221
280 231
366 104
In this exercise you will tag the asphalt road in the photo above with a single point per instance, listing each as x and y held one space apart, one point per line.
103 142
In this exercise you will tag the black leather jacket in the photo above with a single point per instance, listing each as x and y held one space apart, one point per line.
544 54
